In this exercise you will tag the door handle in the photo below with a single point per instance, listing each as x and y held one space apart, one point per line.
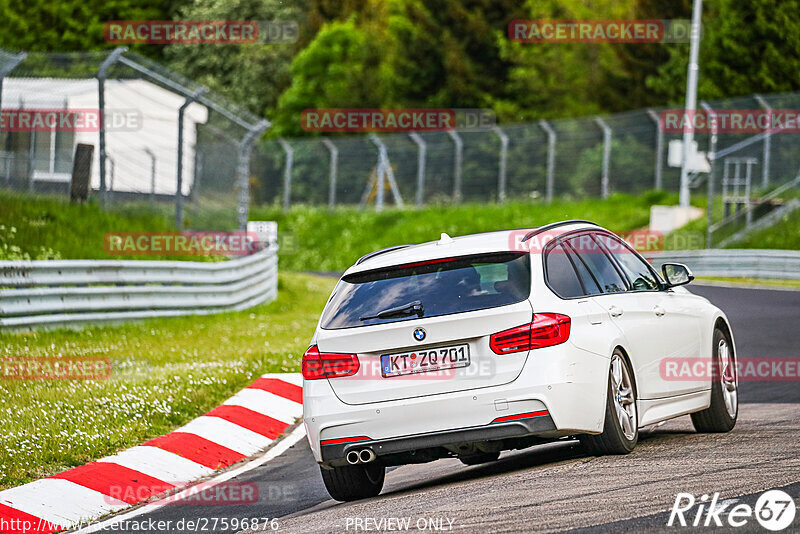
659 311
615 311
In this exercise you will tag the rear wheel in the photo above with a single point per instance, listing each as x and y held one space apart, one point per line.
621 428
721 415
354 482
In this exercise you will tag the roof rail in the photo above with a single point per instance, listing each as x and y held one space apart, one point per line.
365 257
551 226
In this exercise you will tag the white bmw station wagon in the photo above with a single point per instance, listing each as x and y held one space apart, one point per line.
469 346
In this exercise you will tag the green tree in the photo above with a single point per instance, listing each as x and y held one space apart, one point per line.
747 47
47 26
252 75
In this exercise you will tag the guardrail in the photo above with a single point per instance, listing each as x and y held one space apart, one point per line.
68 292
749 263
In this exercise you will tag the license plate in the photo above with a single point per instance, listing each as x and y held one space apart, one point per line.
425 360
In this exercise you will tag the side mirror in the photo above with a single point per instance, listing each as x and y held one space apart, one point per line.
676 274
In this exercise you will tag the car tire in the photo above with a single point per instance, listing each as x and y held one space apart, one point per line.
479 458
354 482
721 415
621 428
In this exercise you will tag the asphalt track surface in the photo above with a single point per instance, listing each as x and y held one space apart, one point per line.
557 487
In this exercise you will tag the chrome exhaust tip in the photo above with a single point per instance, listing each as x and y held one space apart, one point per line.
353 458
366 455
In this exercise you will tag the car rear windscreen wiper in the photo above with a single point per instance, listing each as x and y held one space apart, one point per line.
411 308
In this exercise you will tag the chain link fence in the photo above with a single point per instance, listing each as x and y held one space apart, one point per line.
155 136
163 133
560 159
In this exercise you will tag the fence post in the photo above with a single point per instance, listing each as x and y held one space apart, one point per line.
767 143
551 160
113 173
287 173
501 175
6 69
658 180
459 145
152 175
384 173
243 171
102 70
179 186
606 155
422 151
712 149
332 173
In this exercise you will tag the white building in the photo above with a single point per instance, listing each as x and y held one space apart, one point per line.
140 117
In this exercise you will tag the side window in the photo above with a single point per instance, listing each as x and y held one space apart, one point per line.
588 281
637 270
561 275
598 264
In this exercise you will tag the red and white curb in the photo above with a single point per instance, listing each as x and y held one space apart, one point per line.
242 426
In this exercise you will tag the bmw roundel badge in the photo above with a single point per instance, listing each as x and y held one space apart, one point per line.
419 334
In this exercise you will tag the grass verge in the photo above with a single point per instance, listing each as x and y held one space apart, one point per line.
44 228
320 240
165 373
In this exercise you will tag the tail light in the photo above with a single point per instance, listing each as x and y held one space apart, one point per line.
318 364
546 330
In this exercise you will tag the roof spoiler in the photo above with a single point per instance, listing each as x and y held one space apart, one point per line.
365 257
551 226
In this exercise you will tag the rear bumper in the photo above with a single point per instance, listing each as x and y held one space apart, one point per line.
537 422
567 383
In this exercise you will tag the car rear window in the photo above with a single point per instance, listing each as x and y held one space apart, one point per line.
441 287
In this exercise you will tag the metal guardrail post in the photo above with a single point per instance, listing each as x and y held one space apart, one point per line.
551 160
457 160
422 150
179 186
102 70
606 155
765 160
243 171
712 149
501 173
287 173
657 175
332 172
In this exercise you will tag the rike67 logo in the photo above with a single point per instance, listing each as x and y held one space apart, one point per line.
774 510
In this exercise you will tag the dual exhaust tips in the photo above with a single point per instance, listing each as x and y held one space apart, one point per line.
364 456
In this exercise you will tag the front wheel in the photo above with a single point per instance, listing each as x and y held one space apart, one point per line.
621 428
721 415
354 482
